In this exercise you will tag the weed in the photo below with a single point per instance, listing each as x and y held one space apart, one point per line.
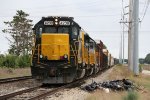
131 96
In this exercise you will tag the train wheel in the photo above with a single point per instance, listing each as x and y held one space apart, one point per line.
91 71
80 73
83 73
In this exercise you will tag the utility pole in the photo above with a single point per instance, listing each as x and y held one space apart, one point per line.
123 32
129 37
120 53
123 43
133 36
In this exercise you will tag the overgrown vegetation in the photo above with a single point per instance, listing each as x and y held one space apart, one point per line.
131 96
13 61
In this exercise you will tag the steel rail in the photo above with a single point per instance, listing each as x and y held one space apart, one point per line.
10 95
7 80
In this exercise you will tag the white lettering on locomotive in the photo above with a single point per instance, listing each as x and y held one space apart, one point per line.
48 23
64 23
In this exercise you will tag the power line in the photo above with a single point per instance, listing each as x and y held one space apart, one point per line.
146 7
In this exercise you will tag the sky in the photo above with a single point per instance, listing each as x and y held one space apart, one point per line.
99 18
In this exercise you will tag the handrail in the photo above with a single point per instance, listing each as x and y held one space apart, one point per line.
33 52
38 54
73 53
33 48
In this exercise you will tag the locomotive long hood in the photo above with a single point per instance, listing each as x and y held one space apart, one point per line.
55 46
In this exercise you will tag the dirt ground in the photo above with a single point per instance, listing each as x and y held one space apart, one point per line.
9 72
146 67
119 72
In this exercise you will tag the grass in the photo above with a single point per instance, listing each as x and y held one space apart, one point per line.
17 72
120 72
132 95
101 95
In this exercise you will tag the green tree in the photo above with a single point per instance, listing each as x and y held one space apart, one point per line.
20 30
141 60
147 59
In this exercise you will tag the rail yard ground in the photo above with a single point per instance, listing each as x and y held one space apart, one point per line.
117 72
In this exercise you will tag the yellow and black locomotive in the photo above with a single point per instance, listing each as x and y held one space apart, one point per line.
64 52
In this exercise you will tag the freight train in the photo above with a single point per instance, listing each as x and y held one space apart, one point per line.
63 52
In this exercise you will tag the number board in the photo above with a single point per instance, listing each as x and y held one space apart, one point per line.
48 23
60 23
64 23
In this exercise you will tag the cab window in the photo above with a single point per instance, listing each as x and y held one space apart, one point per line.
50 30
63 30
38 31
74 32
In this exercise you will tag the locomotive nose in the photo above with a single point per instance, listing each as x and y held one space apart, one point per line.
55 46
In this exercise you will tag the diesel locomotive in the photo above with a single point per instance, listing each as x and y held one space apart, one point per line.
64 52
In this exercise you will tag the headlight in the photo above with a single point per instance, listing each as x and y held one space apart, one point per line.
56 20
65 56
56 23
41 56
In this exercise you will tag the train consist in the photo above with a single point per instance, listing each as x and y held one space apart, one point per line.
64 52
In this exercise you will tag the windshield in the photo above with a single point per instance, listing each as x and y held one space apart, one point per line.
63 30
56 30
50 30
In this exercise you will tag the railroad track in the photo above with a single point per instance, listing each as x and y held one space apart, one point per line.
36 93
7 80
39 92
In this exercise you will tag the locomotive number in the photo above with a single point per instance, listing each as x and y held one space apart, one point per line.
48 23
64 23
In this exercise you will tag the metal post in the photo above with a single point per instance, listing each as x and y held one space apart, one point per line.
135 36
120 55
123 42
129 37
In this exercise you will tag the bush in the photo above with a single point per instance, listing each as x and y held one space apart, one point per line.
1 60
140 68
9 61
131 96
23 61
12 61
